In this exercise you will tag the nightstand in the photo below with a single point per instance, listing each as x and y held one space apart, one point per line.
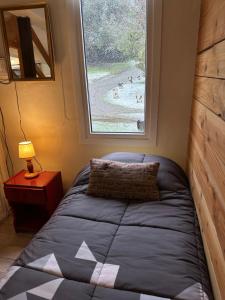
33 200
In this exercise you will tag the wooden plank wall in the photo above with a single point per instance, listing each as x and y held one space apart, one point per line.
207 139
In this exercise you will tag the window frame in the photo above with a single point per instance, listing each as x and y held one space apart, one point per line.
153 57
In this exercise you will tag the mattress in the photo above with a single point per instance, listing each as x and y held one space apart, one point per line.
107 249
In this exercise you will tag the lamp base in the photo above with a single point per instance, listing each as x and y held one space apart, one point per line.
31 175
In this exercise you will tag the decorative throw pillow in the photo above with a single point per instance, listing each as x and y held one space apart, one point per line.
132 181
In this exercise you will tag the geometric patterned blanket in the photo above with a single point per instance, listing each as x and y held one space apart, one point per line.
109 249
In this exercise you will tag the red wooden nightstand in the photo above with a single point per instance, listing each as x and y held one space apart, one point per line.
33 200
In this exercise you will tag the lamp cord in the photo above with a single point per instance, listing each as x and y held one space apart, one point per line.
39 164
3 135
21 127
18 108
4 138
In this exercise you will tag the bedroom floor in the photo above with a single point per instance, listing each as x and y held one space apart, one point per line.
11 244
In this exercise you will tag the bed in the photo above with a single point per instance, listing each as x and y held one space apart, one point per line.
107 249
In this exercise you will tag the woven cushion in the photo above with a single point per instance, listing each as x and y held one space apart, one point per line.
119 180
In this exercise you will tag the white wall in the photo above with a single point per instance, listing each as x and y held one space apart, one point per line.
56 138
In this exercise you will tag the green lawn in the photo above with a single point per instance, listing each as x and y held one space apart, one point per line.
111 127
113 69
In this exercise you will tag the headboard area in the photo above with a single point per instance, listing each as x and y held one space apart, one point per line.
207 139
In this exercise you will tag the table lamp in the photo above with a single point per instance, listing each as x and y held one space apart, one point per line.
26 151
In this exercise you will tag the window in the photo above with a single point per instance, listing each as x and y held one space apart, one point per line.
117 57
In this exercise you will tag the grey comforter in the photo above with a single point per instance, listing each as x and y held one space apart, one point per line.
107 249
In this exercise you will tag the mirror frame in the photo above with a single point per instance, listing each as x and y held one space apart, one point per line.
49 38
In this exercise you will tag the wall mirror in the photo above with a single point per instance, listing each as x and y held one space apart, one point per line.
28 42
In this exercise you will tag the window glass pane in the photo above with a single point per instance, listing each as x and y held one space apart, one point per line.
114 42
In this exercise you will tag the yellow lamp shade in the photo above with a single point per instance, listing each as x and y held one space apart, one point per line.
26 150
